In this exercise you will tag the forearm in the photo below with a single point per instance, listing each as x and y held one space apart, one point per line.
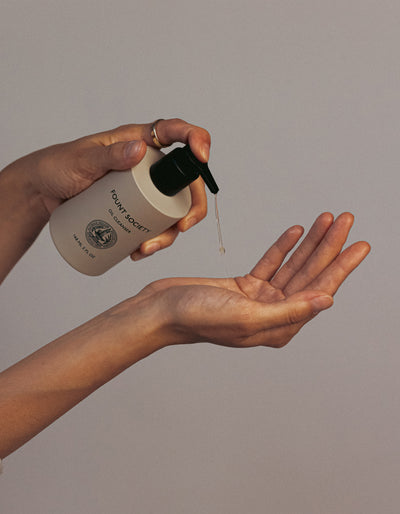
39 389
22 214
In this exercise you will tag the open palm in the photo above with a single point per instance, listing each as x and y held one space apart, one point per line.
271 303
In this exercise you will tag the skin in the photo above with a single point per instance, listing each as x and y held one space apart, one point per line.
287 288
33 186
269 305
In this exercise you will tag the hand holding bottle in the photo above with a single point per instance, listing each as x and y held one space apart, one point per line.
110 220
43 180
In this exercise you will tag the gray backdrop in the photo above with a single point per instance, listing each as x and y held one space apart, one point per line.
302 101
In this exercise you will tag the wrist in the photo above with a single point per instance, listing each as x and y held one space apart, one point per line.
19 185
143 324
22 215
157 317
168 308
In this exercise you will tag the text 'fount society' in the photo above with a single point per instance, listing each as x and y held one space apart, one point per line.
126 214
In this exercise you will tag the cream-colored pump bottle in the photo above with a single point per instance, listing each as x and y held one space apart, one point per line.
104 224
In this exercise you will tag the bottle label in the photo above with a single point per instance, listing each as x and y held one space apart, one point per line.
126 216
100 234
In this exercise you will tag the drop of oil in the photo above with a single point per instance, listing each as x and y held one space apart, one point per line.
220 240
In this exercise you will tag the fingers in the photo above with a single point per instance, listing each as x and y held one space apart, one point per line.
273 258
122 152
304 251
177 130
328 282
294 309
98 160
125 146
278 322
160 242
322 256
168 132
198 210
334 275
276 337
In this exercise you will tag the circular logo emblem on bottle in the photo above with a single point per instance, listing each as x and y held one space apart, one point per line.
100 234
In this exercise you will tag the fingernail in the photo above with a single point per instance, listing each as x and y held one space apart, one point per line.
321 303
190 223
151 248
148 250
205 151
137 256
132 148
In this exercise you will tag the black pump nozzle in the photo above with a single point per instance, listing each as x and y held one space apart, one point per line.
178 169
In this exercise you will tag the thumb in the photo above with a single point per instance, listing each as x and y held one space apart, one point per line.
118 156
297 308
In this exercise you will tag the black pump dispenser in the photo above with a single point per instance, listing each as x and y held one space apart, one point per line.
178 169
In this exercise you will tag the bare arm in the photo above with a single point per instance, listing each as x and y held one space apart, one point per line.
22 216
43 386
266 307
